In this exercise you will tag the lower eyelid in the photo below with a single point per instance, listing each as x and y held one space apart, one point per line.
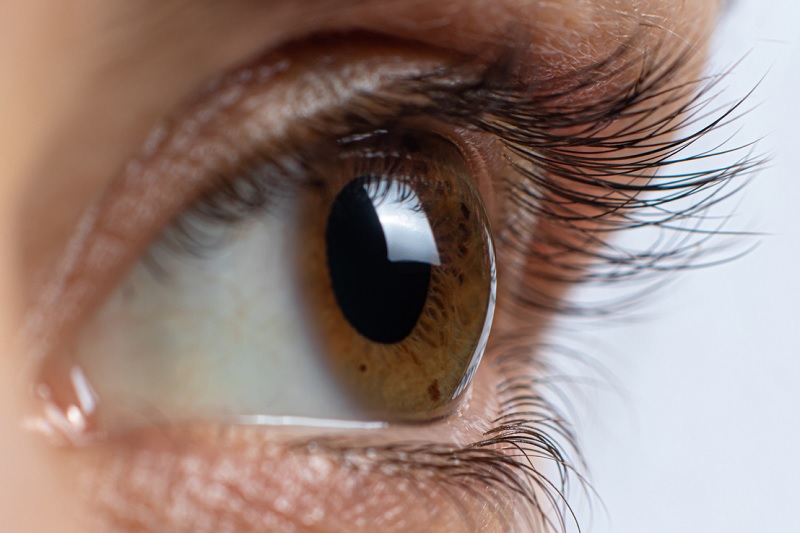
212 477
459 474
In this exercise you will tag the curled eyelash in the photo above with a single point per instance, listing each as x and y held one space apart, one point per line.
573 169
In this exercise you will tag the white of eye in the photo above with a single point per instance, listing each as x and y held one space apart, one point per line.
219 335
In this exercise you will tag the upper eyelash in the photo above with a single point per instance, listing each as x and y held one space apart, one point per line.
531 129
530 123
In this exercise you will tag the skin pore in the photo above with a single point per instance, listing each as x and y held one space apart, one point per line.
82 85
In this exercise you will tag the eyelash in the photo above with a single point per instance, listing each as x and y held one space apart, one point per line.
542 136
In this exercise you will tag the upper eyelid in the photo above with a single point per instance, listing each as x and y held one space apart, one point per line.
182 157
177 154
142 90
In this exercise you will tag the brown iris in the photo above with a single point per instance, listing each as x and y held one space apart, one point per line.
398 267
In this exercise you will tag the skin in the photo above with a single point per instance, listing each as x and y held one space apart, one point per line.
82 83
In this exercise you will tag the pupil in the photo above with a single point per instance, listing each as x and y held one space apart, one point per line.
380 250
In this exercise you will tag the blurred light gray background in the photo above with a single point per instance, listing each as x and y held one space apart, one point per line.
702 432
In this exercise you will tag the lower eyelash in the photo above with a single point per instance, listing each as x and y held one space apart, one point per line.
503 469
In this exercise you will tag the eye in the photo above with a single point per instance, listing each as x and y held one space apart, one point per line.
360 287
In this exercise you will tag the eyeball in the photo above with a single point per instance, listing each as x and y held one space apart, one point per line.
362 290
